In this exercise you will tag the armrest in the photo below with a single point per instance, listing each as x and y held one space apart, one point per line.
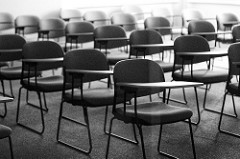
96 72
60 59
175 84
5 99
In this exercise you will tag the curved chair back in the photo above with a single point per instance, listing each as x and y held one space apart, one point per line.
110 31
201 26
6 21
29 22
225 17
233 56
139 71
87 59
190 43
43 50
98 18
67 14
145 37
152 22
236 33
136 11
10 42
55 26
189 15
126 20
80 27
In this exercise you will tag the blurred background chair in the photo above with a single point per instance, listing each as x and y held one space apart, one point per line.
37 57
6 22
27 24
97 17
147 113
70 14
78 33
236 33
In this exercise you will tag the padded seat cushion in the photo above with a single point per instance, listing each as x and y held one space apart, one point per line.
4 131
204 76
93 97
154 113
167 67
46 84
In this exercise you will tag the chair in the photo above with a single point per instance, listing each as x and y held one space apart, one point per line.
236 33
225 21
78 32
11 51
144 72
80 67
40 56
203 26
232 86
6 21
125 20
98 18
5 132
160 24
116 38
163 12
68 14
135 10
191 44
51 28
26 24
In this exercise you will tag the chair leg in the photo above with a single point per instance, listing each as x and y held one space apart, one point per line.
176 100
5 111
198 108
10 146
192 139
41 112
109 137
220 120
215 111
142 141
36 106
86 124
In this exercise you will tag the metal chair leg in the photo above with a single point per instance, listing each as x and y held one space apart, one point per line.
142 141
118 136
192 139
109 137
10 146
41 111
176 100
86 124
220 120
36 106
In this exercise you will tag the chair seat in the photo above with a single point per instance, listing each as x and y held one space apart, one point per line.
204 76
46 84
167 67
92 97
5 131
13 73
154 113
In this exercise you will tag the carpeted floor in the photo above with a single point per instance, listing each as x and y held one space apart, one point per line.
209 143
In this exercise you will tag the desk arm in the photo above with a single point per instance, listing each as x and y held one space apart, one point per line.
93 72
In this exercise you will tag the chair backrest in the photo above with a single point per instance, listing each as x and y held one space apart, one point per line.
80 27
135 10
190 43
189 15
201 26
225 17
236 33
85 59
151 22
43 50
234 56
139 71
67 14
56 26
110 31
6 21
97 17
145 37
11 41
127 20
29 22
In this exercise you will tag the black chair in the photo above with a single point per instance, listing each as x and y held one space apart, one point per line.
191 44
5 132
38 57
232 87
236 33
138 78
83 66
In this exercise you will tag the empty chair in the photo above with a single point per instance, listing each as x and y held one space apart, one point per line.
6 21
98 18
78 33
68 14
137 78
236 33
135 10
111 39
5 132
26 24
37 57
51 28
